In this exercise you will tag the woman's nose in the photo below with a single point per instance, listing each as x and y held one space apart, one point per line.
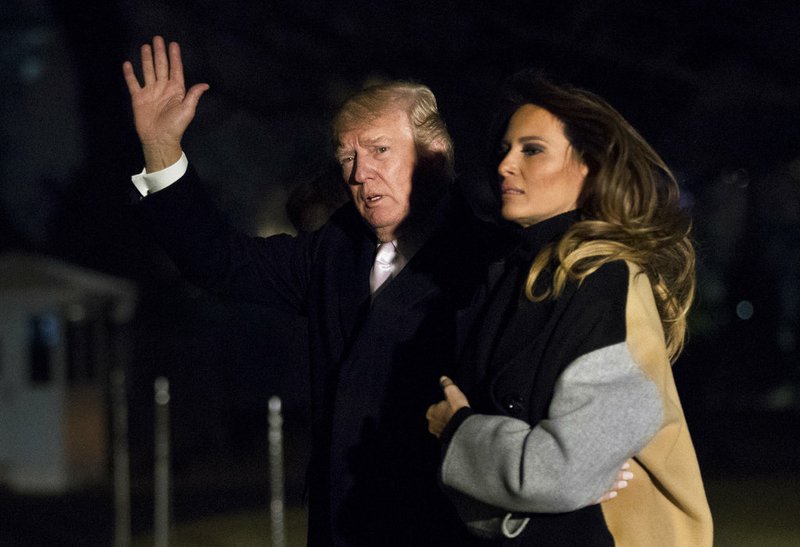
506 166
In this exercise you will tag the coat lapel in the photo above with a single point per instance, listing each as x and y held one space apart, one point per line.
353 284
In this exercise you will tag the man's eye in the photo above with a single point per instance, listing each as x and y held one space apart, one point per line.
344 160
382 149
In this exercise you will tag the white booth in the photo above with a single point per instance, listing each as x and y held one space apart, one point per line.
61 334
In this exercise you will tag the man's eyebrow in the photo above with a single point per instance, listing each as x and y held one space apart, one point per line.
372 141
342 149
375 140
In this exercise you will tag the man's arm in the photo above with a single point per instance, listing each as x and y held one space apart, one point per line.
181 217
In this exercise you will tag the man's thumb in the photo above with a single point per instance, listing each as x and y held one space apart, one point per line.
194 94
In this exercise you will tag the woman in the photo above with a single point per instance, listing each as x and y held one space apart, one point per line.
567 373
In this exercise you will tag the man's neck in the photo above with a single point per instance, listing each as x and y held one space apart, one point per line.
385 235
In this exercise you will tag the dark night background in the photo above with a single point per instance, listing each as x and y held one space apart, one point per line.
713 86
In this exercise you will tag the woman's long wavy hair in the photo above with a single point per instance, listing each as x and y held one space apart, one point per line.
629 204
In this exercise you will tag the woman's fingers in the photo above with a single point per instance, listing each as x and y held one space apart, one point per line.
453 394
438 416
607 496
623 476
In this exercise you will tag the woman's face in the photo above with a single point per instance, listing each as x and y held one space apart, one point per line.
540 173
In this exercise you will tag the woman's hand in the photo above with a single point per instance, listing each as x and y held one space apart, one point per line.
439 415
162 108
622 482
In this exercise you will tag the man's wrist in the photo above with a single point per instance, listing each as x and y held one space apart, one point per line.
158 157
148 182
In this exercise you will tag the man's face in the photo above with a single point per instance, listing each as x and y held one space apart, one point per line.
378 159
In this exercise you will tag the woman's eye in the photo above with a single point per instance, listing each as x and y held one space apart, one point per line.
530 150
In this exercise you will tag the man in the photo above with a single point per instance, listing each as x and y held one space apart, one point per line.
380 336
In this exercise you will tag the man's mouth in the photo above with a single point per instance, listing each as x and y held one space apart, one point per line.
373 199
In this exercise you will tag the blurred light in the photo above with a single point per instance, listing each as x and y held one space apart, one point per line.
161 386
744 310
30 70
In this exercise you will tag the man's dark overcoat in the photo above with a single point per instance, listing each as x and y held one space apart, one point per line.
374 365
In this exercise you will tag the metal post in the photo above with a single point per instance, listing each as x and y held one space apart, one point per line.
122 479
120 315
161 504
277 523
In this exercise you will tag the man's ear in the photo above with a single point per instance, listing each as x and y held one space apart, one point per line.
438 146
432 154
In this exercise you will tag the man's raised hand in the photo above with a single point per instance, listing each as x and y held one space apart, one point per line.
162 108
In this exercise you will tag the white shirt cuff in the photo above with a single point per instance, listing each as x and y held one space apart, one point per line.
148 183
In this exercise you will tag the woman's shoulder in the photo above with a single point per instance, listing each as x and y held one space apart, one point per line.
618 284
609 280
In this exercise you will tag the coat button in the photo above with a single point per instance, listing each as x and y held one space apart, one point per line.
513 404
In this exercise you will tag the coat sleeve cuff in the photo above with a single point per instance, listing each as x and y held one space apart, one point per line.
453 425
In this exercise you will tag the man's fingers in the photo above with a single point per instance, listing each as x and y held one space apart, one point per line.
175 63
158 65
130 77
148 72
160 56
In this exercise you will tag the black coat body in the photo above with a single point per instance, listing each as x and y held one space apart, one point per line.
374 366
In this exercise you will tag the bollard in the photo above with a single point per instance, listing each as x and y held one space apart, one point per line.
161 495
277 524
121 457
